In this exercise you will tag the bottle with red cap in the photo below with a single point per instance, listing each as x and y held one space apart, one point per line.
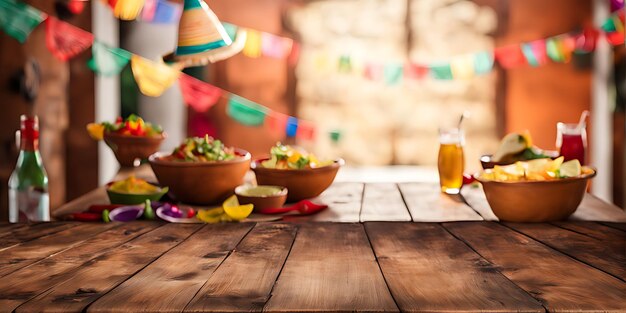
28 185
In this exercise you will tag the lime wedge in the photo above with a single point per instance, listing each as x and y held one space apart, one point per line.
570 168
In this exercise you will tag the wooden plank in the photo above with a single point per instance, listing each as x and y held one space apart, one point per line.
169 283
26 283
28 232
592 229
427 204
383 202
244 281
30 252
594 209
559 282
457 278
475 198
98 276
344 204
607 252
620 226
331 267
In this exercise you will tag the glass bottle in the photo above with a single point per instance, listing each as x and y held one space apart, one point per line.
28 185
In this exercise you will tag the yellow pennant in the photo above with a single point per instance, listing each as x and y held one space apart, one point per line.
463 67
128 10
252 48
152 78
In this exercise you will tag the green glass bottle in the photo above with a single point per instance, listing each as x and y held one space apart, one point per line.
28 185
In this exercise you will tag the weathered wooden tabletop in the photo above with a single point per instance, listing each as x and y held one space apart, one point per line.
288 267
365 253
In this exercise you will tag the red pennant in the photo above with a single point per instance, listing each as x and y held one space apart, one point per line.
276 122
586 41
615 38
305 130
199 95
64 40
374 72
294 54
510 56
416 71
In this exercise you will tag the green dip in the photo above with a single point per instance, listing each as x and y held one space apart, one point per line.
261 191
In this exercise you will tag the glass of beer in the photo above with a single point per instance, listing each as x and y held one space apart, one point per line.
451 161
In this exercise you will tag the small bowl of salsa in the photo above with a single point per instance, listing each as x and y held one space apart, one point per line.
262 196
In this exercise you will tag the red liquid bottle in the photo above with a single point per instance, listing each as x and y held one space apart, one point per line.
572 142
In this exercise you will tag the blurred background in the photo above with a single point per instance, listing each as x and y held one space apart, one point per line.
389 122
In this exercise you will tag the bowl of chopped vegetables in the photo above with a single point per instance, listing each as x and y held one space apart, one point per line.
134 190
302 173
540 190
201 170
130 139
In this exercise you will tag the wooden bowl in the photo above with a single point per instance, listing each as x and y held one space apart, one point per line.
302 184
201 183
262 202
128 148
535 201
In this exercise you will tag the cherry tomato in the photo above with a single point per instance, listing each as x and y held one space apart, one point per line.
191 213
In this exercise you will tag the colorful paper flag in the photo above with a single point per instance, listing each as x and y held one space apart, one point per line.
197 94
393 73
374 72
483 62
18 19
335 135
294 54
306 131
148 11
292 126
586 41
560 48
274 46
252 48
64 40
529 54
510 56
276 122
345 65
167 12
127 10
153 78
416 71
106 60
441 71
462 67
245 111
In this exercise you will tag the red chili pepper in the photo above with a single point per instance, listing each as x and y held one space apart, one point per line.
191 213
468 179
98 208
119 120
86 217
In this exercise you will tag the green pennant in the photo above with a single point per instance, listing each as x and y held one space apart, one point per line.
18 19
335 135
530 55
393 73
441 71
106 60
553 50
245 111
483 62
345 65
609 25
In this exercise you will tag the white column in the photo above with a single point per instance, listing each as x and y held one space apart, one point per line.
601 142
106 29
152 41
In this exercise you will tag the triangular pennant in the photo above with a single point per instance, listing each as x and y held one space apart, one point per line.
462 67
586 41
148 11
345 64
167 12
153 78
252 48
560 48
292 126
18 19
483 62
306 131
197 94
416 71
441 71
374 72
276 122
106 60
509 56
615 38
245 111
335 135
274 46
393 73
127 10
529 54
64 40
294 54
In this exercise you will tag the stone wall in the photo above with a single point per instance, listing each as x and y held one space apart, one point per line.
392 124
